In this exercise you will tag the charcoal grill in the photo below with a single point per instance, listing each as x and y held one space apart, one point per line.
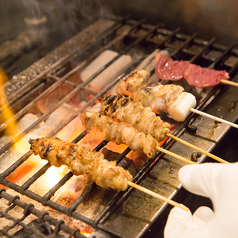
122 214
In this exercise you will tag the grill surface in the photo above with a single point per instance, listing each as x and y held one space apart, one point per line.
121 214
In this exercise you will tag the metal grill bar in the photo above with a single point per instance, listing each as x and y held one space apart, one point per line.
53 87
74 53
32 179
28 209
188 41
205 48
16 164
222 57
49 203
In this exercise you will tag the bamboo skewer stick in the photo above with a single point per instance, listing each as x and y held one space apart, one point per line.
197 148
156 195
214 118
229 82
174 155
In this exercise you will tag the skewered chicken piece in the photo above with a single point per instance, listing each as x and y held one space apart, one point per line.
90 163
81 160
167 98
123 109
159 97
120 133
132 82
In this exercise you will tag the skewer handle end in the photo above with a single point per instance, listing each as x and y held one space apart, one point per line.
156 195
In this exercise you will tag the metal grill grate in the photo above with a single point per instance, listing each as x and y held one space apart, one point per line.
141 37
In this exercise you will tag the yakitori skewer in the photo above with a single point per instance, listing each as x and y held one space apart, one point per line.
124 133
169 98
201 77
91 164
124 109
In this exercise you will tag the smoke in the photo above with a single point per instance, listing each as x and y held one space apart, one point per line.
52 22
33 8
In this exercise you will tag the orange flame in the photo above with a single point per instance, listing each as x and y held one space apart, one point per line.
6 111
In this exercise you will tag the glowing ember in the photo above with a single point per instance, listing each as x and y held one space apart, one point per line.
54 175
85 233
72 130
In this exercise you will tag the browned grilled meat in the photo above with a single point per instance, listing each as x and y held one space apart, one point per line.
132 82
169 98
124 109
120 133
81 160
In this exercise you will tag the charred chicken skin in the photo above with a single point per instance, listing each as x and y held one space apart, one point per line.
82 161
124 109
120 133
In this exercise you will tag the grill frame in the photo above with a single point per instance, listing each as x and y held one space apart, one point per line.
51 73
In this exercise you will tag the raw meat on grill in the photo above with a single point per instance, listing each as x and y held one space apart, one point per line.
169 69
120 133
81 160
124 109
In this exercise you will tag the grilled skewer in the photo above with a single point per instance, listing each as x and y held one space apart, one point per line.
124 133
120 133
91 164
132 82
81 160
169 69
123 109
167 98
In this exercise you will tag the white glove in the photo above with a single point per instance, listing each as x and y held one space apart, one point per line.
219 182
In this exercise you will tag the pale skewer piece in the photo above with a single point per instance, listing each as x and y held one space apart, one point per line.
214 118
174 155
197 148
95 124
229 82
156 195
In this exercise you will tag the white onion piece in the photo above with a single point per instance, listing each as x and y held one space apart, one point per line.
180 109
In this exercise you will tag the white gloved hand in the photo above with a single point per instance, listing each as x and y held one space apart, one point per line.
219 182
